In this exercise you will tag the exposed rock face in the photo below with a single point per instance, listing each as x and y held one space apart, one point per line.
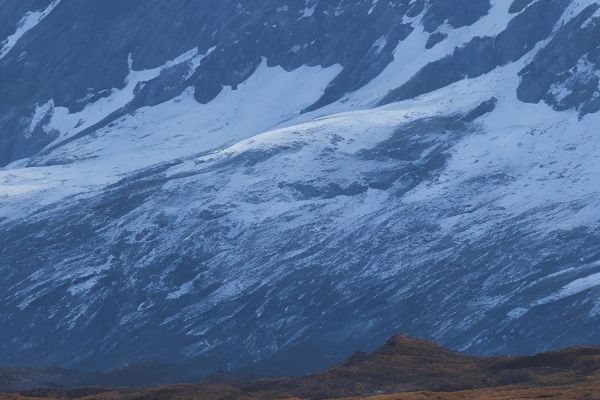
482 55
565 72
212 183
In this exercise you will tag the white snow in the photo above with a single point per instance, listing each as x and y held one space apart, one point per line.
68 123
517 313
28 22
410 56
182 291
40 113
177 128
574 9
309 10
84 286
573 288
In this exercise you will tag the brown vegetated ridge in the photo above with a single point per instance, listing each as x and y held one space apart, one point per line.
404 368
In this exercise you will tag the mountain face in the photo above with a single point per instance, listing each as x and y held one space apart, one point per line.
276 184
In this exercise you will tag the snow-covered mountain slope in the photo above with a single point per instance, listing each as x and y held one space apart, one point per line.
249 184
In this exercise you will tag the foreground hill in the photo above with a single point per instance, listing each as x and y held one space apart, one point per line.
404 368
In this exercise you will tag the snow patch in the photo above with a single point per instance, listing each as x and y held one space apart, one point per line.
68 124
27 23
182 291
573 288
177 128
